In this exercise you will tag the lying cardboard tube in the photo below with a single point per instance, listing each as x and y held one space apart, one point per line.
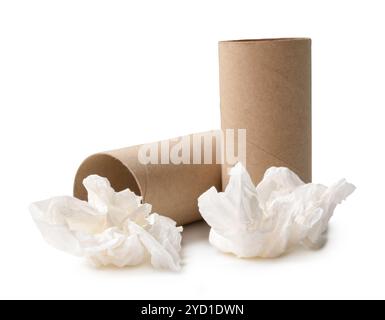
172 189
265 88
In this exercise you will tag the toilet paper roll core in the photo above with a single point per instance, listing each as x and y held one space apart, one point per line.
265 88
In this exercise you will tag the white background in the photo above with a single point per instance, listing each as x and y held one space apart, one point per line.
77 77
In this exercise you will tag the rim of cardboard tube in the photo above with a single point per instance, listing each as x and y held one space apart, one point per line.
105 165
266 39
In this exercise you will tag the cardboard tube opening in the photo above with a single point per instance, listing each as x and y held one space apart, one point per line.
104 165
265 39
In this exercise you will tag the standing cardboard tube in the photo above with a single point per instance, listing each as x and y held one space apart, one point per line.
171 189
265 88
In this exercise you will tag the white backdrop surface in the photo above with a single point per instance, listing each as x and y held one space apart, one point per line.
77 77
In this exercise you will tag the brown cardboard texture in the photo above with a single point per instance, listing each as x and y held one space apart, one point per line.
265 88
172 189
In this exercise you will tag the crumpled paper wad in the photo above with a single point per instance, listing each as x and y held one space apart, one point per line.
266 221
112 228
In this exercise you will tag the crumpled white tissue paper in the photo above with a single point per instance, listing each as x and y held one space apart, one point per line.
268 220
112 228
